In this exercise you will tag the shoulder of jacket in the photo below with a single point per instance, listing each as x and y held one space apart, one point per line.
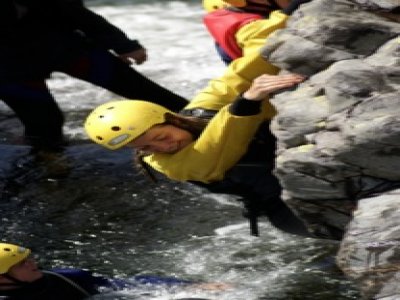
278 14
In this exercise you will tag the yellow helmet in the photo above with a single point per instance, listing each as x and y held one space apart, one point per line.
10 255
237 3
211 5
116 123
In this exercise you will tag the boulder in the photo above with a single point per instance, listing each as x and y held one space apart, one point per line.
338 155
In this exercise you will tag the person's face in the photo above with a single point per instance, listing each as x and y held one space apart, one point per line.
162 139
26 270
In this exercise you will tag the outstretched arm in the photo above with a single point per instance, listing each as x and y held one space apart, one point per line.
73 14
266 84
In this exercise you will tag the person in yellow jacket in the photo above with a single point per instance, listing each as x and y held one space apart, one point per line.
250 37
206 153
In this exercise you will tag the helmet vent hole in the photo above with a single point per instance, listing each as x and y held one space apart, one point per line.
115 128
111 107
99 138
101 116
7 249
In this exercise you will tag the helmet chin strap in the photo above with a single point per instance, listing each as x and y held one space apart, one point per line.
15 281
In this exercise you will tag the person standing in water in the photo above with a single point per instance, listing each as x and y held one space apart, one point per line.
41 37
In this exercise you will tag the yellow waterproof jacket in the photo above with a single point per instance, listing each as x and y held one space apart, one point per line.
242 71
226 138
220 146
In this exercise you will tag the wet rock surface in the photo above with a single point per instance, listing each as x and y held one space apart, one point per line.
339 134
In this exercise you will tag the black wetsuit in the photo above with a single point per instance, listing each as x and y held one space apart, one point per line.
38 37
49 287
252 178
76 284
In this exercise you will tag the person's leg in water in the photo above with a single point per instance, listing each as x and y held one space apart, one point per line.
261 190
261 195
252 179
104 69
42 118
38 111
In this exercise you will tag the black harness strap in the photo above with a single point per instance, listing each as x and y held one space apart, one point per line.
250 211
253 225
72 283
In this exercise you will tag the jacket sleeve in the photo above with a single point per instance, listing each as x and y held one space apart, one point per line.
242 71
223 142
94 26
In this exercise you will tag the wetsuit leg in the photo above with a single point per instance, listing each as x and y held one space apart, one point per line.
104 69
283 218
37 110
253 180
261 192
261 196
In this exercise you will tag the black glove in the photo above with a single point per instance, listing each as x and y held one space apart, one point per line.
293 6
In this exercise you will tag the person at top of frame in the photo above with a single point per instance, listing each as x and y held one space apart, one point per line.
241 30
41 37
225 19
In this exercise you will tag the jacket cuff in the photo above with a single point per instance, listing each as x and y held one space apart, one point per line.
244 107
128 46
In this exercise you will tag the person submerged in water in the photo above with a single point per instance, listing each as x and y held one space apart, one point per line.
232 153
21 279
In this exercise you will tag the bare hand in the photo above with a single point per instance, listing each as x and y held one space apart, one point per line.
265 84
138 56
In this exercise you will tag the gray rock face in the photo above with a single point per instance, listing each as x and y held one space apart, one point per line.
339 131
378 4
323 32
374 236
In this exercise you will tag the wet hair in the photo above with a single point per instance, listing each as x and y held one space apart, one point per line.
194 125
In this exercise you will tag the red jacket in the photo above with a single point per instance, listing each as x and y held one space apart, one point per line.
223 25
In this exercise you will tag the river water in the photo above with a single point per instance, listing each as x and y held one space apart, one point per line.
89 208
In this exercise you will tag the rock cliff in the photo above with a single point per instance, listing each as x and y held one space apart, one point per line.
338 133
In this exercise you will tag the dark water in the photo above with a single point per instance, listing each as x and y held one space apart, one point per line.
89 208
